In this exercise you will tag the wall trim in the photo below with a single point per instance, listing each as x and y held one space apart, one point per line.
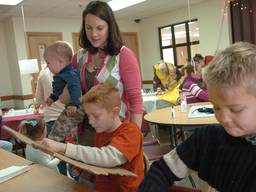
16 97
147 82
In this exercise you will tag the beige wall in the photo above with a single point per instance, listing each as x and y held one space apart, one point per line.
13 46
209 15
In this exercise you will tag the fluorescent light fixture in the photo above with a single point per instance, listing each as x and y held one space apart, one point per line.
121 4
10 2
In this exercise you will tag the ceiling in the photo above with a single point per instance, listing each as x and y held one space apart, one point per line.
73 8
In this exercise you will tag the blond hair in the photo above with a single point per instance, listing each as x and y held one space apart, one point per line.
60 50
32 128
105 95
232 67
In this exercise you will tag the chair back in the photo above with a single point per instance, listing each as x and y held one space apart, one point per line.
177 188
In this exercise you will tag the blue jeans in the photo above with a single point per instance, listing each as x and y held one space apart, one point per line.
6 145
49 126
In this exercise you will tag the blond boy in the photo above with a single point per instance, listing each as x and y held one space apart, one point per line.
224 156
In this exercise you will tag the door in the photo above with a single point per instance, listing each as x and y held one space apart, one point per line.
37 43
131 40
75 38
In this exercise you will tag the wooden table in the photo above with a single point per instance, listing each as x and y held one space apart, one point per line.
38 178
181 120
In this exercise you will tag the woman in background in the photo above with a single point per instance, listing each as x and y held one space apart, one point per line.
166 76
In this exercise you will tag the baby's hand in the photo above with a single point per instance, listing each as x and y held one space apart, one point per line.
49 101
71 110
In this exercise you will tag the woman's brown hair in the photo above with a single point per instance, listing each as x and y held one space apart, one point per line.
104 12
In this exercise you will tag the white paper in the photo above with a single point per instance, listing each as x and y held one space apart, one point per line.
194 113
10 172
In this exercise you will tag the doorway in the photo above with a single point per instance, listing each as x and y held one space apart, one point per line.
37 43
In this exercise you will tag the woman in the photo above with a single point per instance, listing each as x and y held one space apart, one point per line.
166 76
103 58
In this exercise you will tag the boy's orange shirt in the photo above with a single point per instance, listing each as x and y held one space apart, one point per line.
127 138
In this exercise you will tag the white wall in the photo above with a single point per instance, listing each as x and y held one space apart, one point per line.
5 74
209 15
15 48
13 44
5 83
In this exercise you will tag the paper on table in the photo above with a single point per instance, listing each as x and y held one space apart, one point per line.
10 172
194 113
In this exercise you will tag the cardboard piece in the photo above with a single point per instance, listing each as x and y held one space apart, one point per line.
89 168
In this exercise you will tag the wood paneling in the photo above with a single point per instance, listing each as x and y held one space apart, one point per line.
75 39
16 97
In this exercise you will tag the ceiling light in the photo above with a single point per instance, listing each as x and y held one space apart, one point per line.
10 2
117 4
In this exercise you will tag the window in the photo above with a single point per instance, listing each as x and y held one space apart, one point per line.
179 42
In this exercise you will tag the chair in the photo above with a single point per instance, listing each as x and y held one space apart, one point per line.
177 188
18 145
208 59
152 148
145 129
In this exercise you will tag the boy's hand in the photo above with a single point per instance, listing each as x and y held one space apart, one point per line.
53 145
71 110
49 101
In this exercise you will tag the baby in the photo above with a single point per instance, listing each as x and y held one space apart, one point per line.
58 58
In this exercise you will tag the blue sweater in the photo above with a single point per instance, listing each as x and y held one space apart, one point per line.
226 163
67 76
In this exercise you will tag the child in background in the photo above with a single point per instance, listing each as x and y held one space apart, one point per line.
117 143
190 86
58 58
35 130
43 90
224 156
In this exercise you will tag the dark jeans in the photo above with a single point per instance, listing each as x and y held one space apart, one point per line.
49 126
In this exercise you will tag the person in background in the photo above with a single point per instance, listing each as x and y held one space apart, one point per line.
58 58
117 143
43 90
223 155
190 86
103 58
35 130
52 112
165 76
6 145
199 62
